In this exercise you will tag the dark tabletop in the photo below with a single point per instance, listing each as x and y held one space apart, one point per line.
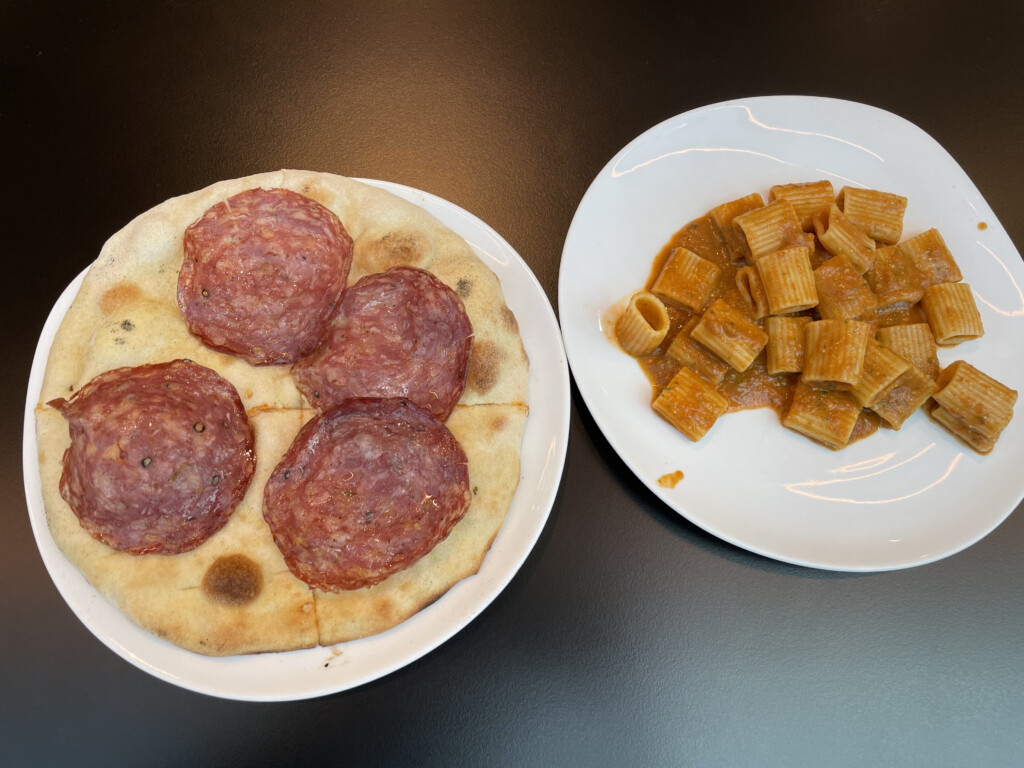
629 637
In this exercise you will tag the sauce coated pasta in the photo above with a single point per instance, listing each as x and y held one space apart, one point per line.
814 305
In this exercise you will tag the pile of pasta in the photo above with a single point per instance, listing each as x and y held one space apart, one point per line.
836 301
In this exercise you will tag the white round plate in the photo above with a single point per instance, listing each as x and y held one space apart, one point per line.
893 500
324 670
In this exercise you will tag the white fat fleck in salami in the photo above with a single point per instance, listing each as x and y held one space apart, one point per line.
366 489
262 274
400 333
160 456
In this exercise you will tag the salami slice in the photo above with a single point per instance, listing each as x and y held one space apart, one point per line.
263 273
366 489
160 456
400 333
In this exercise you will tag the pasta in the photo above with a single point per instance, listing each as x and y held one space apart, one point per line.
901 399
686 280
834 353
841 237
931 257
748 283
894 278
812 305
882 367
689 354
771 228
809 199
786 344
915 343
643 325
879 214
952 313
690 404
826 416
788 280
842 292
724 217
727 333
972 405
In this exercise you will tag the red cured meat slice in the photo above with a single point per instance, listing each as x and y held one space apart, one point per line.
400 333
366 490
160 456
263 273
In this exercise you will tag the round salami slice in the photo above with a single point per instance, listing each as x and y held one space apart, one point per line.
400 333
160 456
263 273
366 489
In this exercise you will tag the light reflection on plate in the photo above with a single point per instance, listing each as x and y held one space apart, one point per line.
324 670
894 500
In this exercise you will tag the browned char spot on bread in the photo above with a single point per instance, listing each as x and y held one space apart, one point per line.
119 295
509 320
403 247
484 366
233 580
317 191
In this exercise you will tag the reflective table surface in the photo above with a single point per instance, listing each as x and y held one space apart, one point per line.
630 636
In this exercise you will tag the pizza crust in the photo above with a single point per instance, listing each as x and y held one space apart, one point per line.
126 314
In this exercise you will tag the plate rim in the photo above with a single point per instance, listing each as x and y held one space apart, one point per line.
547 421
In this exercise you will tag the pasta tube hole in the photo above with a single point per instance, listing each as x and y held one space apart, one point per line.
653 312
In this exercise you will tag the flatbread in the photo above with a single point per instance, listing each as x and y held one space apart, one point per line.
234 594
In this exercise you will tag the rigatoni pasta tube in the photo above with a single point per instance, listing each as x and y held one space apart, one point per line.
686 280
932 258
915 343
751 290
894 278
786 344
952 313
903 397
642 327
955 427
842 292
788 280
724 217
809 199
771 228
690 404
972 405
834 353
728 334
826 416
879 214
